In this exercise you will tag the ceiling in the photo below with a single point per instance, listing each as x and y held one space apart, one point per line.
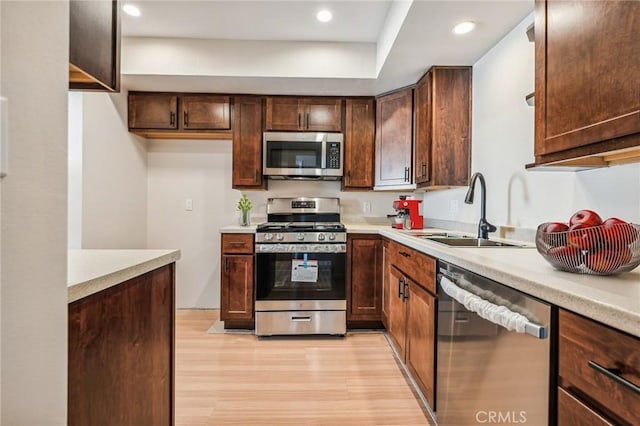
407 36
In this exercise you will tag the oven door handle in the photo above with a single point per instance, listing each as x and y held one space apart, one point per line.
301 248
500 315
301 319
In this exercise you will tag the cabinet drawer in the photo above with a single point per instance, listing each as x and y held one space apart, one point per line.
418 266
237 243
600 364
573 412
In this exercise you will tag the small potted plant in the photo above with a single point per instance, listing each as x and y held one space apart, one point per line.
244 205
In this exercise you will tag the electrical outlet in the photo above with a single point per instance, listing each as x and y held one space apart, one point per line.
454 207
366 207
188 204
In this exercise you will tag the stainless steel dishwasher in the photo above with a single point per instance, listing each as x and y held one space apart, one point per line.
493 352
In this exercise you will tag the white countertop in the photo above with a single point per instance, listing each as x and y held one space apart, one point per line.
90 271
613 300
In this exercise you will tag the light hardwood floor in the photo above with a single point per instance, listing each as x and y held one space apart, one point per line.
238 379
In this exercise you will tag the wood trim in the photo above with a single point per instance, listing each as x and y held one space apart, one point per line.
169 134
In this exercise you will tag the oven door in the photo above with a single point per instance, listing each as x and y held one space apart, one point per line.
300 272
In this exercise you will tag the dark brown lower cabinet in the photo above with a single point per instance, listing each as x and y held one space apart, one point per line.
410 312
236 283
121 353
364 287
420 346
598 373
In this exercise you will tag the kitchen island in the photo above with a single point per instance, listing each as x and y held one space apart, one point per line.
121 336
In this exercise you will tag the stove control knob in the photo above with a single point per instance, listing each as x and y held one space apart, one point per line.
320 237
332 236
268 236
300 236
279 236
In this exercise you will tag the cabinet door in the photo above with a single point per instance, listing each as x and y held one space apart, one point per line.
571 412
386 284
94 45
359 144
322 114
421 317
153 111
365 259
450 151
396 320
422 115
283 113
247 142
394 139
587 73
205 112
236 287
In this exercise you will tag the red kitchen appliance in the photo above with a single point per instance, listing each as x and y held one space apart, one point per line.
410 209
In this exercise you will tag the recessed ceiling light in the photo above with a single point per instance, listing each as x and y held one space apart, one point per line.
464 27
324 15
131 10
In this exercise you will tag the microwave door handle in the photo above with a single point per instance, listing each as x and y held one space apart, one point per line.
323 161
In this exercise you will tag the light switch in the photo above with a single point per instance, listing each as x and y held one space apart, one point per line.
366 207
188 204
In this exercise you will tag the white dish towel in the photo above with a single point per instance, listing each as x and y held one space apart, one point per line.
500 315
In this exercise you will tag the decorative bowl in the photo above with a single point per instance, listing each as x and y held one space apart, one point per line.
596 250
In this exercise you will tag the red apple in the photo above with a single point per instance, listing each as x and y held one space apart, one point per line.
607 260
565 256
586 217
617 232
555 233
584 237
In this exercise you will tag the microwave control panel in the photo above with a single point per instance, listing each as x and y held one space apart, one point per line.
333 155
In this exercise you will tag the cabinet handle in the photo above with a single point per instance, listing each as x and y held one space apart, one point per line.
186 118
300 319
226 269
236 243
404 254
405 293
172 118
349 176
400 286
614 374
299 120
424 169
406 174
306 120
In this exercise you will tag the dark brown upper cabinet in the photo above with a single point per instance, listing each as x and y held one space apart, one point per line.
175 115
323 114
359 141
94 45
587 59
247 143
394 121
442 127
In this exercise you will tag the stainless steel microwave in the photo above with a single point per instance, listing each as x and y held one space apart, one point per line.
303 155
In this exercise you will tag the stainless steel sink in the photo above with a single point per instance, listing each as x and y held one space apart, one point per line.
471 242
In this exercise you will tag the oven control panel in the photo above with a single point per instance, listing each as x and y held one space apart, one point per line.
301 237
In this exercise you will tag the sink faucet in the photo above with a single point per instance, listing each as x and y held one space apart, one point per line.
484 227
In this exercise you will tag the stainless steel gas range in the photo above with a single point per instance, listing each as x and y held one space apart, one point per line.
301 268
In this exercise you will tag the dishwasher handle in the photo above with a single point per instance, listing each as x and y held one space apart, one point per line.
500 315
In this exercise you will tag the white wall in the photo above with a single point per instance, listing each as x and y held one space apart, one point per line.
74 188
35 46
502 135
114 175
201 171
